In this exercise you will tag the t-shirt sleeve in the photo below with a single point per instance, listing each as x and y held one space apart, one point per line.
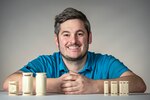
36 65
115 68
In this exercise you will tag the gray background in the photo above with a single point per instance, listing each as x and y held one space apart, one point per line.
120 28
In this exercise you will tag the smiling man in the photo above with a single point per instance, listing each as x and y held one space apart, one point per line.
73 41
74 69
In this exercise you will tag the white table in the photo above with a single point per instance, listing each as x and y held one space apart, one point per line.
137 96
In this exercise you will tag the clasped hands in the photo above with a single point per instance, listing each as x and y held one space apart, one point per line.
74 83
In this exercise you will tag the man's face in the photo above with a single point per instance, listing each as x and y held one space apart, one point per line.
73 39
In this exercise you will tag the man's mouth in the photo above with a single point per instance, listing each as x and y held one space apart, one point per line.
73 47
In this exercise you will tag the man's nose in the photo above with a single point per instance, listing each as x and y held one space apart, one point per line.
73 39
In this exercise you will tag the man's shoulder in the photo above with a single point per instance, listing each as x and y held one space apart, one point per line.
99 55
53 56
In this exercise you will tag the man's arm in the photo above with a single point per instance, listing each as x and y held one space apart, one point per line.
136 83
53 84
78 84
17 76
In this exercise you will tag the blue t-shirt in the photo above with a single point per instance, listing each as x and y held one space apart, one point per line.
97 66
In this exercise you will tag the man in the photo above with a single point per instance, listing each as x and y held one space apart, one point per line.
75 70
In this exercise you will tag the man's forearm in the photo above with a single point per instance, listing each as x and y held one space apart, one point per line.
136 84
17 76
52 84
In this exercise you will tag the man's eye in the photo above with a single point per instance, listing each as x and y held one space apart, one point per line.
66 35
80 34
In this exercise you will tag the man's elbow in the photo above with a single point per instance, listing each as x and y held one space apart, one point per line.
143 88
5 86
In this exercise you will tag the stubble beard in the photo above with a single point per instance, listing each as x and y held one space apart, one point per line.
74 59
71 58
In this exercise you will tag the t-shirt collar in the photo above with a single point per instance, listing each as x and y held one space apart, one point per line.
87 66
62 66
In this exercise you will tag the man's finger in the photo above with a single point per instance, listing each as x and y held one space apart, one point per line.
72 72
68 84
70 77
70 89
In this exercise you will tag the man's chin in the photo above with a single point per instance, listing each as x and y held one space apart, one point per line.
69 58
73 58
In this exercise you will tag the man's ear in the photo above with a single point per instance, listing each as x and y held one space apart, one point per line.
90 38
56 39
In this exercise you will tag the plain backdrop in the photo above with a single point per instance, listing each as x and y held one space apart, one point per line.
119 27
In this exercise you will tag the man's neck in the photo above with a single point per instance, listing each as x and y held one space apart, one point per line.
75 66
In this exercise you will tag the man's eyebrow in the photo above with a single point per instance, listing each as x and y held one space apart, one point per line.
65 32
80 31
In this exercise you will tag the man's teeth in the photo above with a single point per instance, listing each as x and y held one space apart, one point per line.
73 47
